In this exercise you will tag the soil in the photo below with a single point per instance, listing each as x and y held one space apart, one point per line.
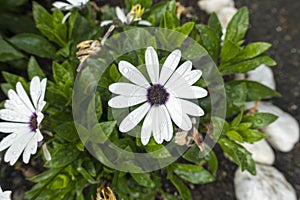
272 21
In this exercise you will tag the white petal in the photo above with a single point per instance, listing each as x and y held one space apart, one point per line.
120 14
24 97
152 64
46 152
127 89
67 15
35 90
62 6
39 135
158 124
13 138
132 74
169 66
17 103
41 102
178 74
193 76
147 127
15 150
133 118
10 115
168 131
20 109
179 117
106 22
191 108
30 148
75 2
188 92
144 23
6 127
126 101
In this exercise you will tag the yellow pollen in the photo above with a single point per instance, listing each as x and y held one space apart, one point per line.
137 11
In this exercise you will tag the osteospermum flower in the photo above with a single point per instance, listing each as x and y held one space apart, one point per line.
163 99
23 118
69 6
135 14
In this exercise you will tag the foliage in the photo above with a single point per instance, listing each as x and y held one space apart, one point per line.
73 173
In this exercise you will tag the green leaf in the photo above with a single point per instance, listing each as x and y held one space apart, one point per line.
184 191
8 52
13 79
235 96
237 120
34 44
210 40
157 11
229 51
250 135
62 157
238 26
246 65
66 131
252 50
214 23
235 136
33 69
212 162
192 154
260 120
255 90
193 173
42 177
143 179
238 154
50 26
61 74
86 175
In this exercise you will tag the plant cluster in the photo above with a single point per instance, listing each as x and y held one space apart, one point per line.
45 46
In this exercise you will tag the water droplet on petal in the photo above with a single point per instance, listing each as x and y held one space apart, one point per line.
125 70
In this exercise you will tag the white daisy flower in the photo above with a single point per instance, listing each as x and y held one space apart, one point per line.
5 195
23 118
59 5
164 98
135 14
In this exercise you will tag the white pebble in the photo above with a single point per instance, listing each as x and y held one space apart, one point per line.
211 6
262 74
225 15
261 152
283 133
267 184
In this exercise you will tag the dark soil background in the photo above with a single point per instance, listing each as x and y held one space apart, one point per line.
276 22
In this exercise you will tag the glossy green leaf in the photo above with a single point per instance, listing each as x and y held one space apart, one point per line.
8 52
66 131
45 175
235 96
247 65
255 90
184 191
238 26
63 157
238 154
33 69
252 50
209 40
33 44
193 173
12 79
235 136
143 179
229 51
260 120
250 135
214 23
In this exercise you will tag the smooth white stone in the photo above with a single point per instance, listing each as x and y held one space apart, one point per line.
261 152
225 15
283 133
267 184
262 74
211 6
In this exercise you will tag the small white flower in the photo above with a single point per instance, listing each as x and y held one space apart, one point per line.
134 15
163 99
69 6
24 117
5 195
59 5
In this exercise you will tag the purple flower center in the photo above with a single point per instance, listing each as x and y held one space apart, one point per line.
157 95
33 122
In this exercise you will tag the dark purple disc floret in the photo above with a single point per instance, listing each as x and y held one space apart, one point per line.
33 122
157 95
